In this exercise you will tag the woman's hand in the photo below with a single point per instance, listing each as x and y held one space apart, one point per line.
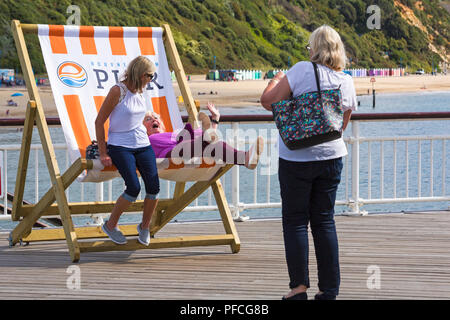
215 114
105 160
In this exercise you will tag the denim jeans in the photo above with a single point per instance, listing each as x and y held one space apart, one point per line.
308 194
127 160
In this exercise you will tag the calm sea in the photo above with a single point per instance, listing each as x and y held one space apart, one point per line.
267 185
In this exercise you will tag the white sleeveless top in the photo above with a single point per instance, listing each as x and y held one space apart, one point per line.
125 122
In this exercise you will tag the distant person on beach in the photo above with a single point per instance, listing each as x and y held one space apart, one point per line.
203 142
128 146
309 177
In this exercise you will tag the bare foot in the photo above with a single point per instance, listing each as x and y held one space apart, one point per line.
209 134
253 154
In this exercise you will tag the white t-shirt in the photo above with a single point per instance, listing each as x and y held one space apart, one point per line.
301 79
126 128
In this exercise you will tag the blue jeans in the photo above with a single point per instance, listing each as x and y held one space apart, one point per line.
308 194
127 160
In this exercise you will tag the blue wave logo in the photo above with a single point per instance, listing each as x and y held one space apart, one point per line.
72 74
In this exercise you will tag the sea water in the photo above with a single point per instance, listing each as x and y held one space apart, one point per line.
267 184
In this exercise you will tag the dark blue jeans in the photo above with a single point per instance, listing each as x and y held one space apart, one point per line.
127 160
308 194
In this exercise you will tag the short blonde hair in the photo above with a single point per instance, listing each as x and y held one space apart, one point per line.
136 69
154 115
327 48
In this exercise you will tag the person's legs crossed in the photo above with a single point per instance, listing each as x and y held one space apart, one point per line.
323 197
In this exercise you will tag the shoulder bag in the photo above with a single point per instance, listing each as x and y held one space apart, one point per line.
310 118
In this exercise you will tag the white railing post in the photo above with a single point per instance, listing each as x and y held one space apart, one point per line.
97 219
235 200
3 178
354 202
235 176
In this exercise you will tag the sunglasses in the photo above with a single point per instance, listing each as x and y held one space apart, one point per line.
149 75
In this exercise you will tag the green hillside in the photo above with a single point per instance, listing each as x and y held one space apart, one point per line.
261 34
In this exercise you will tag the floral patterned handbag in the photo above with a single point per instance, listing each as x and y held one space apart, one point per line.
310 118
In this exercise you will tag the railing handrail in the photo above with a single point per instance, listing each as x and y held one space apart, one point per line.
54 121
352 188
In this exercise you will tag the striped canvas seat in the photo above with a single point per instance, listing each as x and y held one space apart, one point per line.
84 62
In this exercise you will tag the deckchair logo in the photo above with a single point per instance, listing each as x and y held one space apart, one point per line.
72 74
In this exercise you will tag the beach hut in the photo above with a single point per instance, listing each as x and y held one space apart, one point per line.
213 75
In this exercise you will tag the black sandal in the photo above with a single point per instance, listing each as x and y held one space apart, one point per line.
298 296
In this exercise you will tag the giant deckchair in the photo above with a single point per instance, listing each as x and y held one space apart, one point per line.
83 62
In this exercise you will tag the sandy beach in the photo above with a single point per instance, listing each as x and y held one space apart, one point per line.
235 94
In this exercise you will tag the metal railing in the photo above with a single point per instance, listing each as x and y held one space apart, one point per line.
378 170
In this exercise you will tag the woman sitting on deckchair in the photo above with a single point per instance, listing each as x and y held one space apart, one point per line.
201 143
128 147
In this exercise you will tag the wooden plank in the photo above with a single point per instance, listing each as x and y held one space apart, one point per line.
92 207
158 243
175 61
29 28
179 189
52 234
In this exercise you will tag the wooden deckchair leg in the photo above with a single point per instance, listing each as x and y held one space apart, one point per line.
179 189
225 213
177 66
34 98
157 216
58 185
22 166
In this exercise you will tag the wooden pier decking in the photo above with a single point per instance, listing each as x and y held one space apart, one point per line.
412 252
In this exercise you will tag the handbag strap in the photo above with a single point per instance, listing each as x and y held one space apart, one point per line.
316 73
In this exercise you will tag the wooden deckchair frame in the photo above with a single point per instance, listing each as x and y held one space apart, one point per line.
166 210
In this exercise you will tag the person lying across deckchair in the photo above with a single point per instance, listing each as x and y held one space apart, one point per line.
201 143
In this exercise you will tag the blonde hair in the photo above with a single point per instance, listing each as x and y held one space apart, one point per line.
152 114
136 69
327 48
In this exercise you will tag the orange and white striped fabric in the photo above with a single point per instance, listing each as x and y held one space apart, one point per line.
84 62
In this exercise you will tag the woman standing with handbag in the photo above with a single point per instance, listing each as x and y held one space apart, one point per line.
128 146
309 177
